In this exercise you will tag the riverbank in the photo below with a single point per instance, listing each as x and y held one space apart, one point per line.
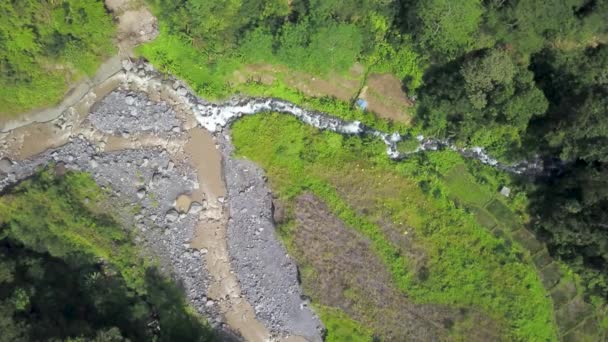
139 163
148 106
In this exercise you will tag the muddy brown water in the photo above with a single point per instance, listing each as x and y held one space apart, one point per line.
32 139
211 236
206 158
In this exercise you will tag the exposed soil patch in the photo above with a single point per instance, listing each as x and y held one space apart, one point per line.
135 27
203 152
346 273
136 24
386 98
368 192
118 6
343 87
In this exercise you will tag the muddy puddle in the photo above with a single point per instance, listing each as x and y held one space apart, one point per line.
206 158
38 138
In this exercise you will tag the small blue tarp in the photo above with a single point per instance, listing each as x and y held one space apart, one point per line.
362 104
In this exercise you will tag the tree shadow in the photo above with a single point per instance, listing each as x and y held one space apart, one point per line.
48 298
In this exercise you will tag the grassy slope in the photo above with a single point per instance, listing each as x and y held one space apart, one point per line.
52 53
340 327
469 267
508 217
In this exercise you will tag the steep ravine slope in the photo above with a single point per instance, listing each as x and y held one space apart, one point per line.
158 112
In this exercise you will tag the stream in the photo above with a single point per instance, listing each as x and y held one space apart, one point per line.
213 117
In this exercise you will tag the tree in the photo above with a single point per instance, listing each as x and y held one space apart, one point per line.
576 83
483 75
446 27
574 209
485 99
531 25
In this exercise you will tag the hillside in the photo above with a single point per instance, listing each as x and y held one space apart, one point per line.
304 170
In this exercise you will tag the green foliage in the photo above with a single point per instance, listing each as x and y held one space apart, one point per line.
464 188
404 63
571 206
341 328
257 47
573 211
530 25
327 36
576 84
408 145
52 231
486 94
481 76
334 47
448 28
468 266
520 78
70 272
41 42
317 37
488 101
171 53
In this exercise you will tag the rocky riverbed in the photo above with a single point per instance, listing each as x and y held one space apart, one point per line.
143 185
268 276
137 142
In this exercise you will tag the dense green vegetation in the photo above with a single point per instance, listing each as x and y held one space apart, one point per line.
68 271
468 267
312 36
572 203
538 85
46 45
340 327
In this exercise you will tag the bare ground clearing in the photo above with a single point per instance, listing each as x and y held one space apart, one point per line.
344 87
386 98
